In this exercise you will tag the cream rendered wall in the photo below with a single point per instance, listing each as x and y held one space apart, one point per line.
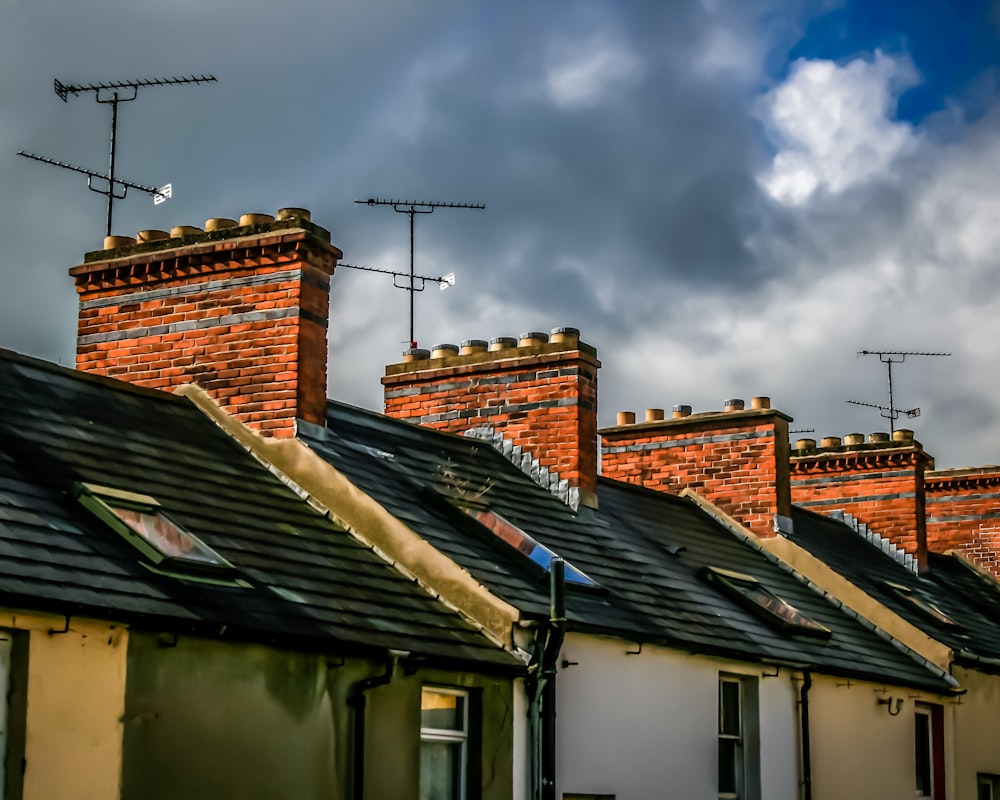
645 726
975 731
859 751
76 699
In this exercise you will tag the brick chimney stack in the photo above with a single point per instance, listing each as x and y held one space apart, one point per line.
880 482
533 397
240 308
736 458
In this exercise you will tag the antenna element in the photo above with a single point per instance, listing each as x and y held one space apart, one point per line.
412 208
890 357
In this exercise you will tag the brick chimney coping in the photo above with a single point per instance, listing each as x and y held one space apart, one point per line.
708 420
491 361
255 232
987 470
868 455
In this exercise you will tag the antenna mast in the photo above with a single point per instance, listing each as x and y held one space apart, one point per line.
113 93
412 208
890 357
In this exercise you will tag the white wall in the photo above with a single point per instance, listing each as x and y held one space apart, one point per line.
645 726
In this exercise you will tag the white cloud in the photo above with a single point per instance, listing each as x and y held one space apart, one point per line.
834 126
582 73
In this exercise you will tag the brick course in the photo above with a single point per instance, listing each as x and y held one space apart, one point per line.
963 514
736 459
242 312
539 396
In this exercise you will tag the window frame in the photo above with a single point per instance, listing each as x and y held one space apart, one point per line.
934 755
461 737
746 769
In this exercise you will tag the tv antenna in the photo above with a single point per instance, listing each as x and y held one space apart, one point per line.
412 208
443 281
890 357
113 93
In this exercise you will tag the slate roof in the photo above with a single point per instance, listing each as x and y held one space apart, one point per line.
651 592
58 426
968 598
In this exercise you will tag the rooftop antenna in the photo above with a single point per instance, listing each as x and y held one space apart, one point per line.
113 93
443 281
890 357
412 208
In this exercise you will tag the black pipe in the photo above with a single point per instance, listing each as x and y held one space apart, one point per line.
550 657
804 721
356 700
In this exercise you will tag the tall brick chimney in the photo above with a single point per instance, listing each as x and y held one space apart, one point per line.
737 458
240 308
963 514
879 481
533 397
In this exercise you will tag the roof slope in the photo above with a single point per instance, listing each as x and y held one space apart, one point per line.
308 581
645 549
970 599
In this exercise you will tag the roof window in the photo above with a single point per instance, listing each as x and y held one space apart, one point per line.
140 520
749 591
922 602
523 543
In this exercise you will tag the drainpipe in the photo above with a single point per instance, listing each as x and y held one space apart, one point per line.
542 689
804 722
356 700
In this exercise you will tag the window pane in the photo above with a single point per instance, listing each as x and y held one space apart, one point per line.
440 770
729 708
728 766
923 754
169 539
442 711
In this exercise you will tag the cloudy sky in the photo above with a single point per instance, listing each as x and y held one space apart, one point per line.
728 197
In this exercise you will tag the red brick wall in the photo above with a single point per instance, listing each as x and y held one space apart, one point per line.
736 459
241 311
880 483
538 395
963 514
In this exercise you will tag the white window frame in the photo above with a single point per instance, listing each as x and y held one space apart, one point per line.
450 735
747 739
989 782
925 713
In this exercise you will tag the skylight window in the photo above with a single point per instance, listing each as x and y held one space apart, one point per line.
751 593
520 541
922 602
140 520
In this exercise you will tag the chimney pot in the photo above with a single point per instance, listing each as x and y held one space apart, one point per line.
830 441
112 242
472 346
626 418
293 213
879 437
805 445
532 338
256 219
681 410
179 231
415 354
760 402
568 335
444 350
734 405
502 343
854 439
654 414
902 435
219 224
152 236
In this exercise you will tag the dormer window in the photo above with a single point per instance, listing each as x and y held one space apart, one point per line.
140 520
749 592
523 543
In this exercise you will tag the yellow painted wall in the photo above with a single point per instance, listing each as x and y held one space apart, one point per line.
75 701
859 751
975 731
